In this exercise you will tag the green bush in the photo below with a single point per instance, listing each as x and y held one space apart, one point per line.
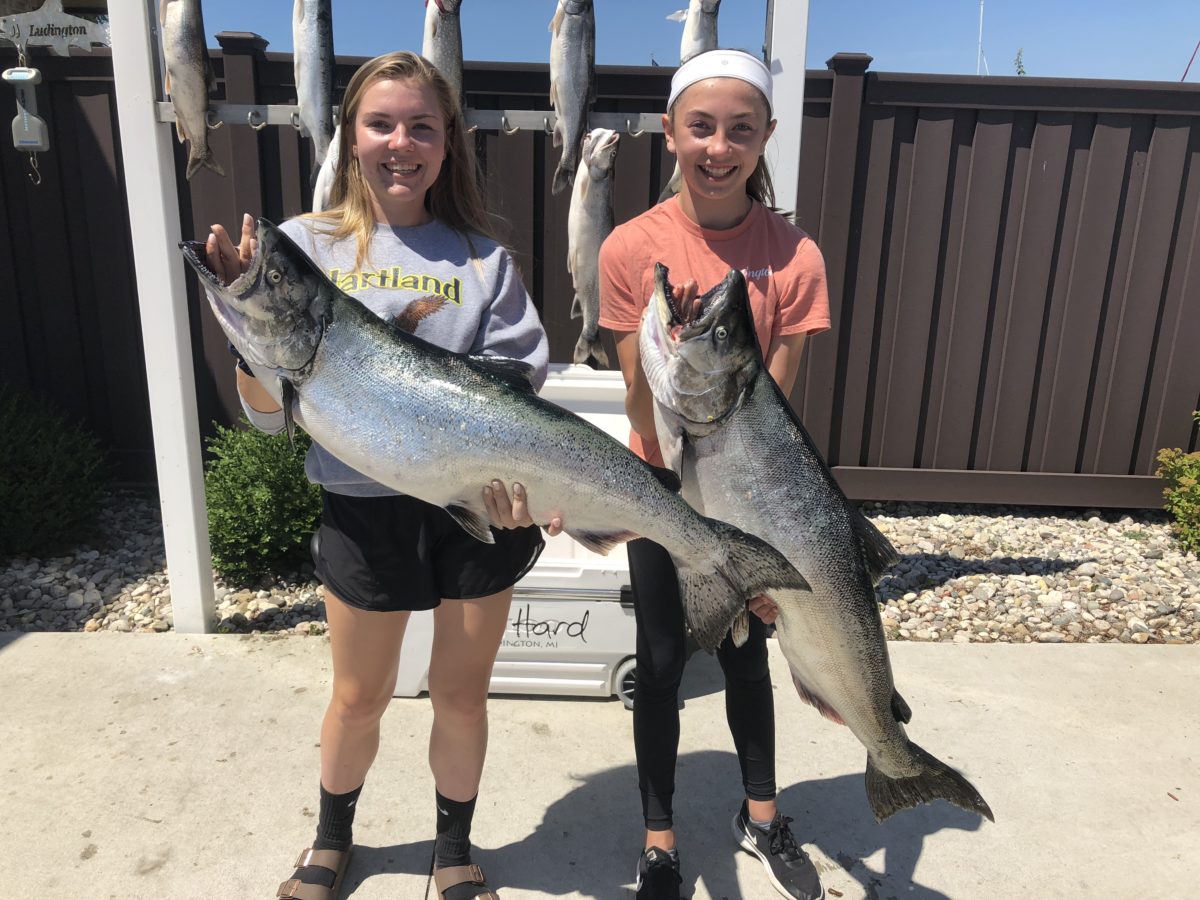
262 510
1181 473
52 475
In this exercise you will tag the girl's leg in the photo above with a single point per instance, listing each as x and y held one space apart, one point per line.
660 658
366 652
466 638
750 711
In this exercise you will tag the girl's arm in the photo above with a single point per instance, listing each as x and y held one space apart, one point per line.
639 403
783 360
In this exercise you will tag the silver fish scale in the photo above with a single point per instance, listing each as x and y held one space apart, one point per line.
433 427
759 473
442 43
572 70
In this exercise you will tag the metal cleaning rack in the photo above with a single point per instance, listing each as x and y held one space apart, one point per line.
150 183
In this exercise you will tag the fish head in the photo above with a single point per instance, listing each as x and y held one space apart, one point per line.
600 152
275 312
707 355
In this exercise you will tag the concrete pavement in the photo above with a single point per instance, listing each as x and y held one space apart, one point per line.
174 765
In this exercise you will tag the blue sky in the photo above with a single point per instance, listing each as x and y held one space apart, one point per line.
1150 41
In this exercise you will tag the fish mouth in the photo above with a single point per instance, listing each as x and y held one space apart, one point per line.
684 324
225 299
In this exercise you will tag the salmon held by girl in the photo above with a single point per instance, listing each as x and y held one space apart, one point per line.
439 426
743 455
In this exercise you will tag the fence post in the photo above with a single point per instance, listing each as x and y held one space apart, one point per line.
242 51
841 163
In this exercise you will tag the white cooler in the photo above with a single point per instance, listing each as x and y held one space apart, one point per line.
571 629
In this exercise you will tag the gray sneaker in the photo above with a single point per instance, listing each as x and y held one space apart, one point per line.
788 867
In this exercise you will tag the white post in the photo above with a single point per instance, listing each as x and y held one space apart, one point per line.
787 43
162 299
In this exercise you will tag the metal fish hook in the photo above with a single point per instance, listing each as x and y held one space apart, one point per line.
629 130
35 176
296 120
504 126
211 120
253 115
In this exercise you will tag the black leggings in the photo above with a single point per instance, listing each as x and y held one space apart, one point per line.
749 705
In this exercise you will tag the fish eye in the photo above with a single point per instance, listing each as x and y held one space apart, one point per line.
722 332
274 276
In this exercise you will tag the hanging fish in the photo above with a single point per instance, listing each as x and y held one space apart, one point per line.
699 29
442 45
312 53
572 82
189 79
324 186
699 34
589 222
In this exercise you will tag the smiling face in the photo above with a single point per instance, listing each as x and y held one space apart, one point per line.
400 144
718 130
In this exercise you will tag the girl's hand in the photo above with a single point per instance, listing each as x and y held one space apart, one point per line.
686 301
764 607
226 261
513 513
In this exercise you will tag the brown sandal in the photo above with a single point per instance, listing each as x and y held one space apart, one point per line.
335 861
453 876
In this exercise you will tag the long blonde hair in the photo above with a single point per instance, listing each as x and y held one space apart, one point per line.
454 198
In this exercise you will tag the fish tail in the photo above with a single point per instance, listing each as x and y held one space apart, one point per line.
564 177
888 796
590 348
205 160
715 596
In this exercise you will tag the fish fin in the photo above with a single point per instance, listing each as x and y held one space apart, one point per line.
670 438
564 176
739 631
559 15
714 597
937 780
207 161
878 553
472 522
666 478
816 702
180 134
167 84
590 349
601 541
576 308
287 392
513 372
900 709
679 15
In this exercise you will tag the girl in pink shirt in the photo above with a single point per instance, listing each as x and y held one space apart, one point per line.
718 121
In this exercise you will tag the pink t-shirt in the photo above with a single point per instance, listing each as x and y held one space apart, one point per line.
784 269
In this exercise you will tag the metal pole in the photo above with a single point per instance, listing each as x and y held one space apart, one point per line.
979 54
162 299
787 43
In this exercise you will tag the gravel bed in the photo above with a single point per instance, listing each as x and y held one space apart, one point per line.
967 574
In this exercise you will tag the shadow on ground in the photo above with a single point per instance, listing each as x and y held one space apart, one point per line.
938 568
588 841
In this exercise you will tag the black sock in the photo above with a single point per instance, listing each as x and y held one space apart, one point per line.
453 846
335 826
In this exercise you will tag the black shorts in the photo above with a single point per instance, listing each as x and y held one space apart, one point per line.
387 554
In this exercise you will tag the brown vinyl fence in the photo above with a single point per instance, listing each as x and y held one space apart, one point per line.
1013 263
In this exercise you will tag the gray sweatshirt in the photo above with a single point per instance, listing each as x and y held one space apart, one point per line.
425 281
